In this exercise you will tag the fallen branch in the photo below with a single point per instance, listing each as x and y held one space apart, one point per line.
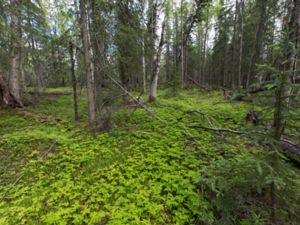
285 144
290 146
217 129
196 83
137 101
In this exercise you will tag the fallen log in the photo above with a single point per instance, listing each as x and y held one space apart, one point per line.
286 145
196 83
290 146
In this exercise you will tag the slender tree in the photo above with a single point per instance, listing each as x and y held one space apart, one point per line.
156 66
15 81
89 65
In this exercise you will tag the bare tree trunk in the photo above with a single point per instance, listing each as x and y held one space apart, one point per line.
74 82
98 34
204 53
182 45
89 65
257 35
4 90
225 62
6 98
168 63
144 67
155 67
241 35
232 75
15 81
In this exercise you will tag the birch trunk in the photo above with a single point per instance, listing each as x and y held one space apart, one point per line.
155 68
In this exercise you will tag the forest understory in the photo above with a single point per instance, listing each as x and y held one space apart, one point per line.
157 112
146 170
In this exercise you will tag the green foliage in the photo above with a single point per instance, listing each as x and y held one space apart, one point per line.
142 172
239 189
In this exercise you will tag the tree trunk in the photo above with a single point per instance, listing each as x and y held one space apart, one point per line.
144 67
257 40
15 81
168 61
89 65
155 67
74 82
232 72
204 52
98 45
182 46
6 98
241 35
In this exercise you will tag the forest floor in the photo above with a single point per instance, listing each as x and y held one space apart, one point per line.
143 171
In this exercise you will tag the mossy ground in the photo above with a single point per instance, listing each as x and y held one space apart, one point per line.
144 171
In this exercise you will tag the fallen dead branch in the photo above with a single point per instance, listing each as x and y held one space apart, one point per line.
217 129
285 144
196 83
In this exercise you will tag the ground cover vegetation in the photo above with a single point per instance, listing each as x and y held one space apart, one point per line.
149 112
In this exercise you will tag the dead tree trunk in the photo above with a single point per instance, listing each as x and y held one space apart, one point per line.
155 67
89 65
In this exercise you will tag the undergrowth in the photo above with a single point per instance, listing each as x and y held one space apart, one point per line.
144 171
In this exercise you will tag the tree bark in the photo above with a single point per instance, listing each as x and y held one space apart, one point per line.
74 82
6 98
233 43
144 66
98 45
155 67
15 81
89 65
241 35
204 52
257 40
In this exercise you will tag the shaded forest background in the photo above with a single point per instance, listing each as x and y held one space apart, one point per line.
206 43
